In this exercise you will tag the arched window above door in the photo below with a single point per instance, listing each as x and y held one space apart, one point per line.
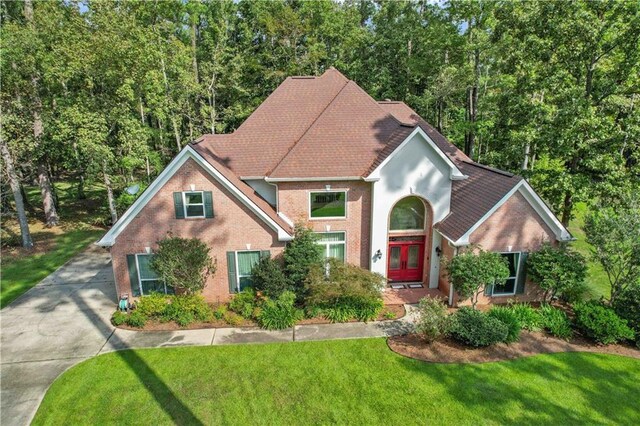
408 215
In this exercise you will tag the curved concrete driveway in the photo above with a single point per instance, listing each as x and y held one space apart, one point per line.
66 319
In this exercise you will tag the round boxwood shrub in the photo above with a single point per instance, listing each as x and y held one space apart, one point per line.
508 318
601 323
476 329
244 303
136 319
118 318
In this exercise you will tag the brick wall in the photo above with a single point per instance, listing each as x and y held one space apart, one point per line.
293 201
233 226
514 224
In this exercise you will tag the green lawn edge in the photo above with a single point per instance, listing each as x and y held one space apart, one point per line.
346 382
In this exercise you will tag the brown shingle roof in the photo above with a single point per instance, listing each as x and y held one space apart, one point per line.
473 197
328 126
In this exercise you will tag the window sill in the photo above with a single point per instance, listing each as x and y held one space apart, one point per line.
315 219
503 295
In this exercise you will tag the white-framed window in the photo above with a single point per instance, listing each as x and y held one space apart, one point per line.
245 261
334 244
508 288
328 204
193 202
148 279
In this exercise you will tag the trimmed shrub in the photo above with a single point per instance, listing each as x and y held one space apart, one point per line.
118 318
627 306
219 312
153 305
389 315
601 323
432 322
508 318
475 328
244 303
345 289
268 277
232 318
187 308
183 263
136 319
300 255
278 314
556 322
528 317
558 271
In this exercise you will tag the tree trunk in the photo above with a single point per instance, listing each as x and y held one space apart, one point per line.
27 242
194 35
212 102
110 199
48 200
176 133
527 150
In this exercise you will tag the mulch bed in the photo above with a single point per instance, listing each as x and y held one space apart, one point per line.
450 351
154 325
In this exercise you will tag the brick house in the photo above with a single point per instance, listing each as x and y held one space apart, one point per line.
382 188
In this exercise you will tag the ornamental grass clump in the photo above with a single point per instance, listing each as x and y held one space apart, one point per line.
508 318
556 322
528 317
280 313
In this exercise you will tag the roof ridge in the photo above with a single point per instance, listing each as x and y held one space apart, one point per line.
491 169
309 128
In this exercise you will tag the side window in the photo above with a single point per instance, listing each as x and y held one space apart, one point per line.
246 260
508 288
193 204
334 244
328 205
148 279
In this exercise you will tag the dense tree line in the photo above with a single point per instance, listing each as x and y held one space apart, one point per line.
110 91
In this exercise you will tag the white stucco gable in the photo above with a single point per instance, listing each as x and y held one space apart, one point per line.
417 167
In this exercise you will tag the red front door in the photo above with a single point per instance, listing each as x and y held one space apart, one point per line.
406 260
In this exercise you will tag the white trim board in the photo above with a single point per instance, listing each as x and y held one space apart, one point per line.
454 174
534 200
187 153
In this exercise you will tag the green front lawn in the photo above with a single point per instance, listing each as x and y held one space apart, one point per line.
596 281
339 382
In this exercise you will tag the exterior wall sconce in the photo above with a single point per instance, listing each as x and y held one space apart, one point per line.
248 246
327 187
147 250
438 251
378 254
193 187
327 228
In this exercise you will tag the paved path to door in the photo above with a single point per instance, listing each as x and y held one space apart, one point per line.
65 319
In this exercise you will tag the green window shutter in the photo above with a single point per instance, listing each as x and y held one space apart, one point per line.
264 253
522 273
208 204
177 203
231 271
133 274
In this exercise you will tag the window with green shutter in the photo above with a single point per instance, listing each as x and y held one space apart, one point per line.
193 204
148 279
508 288
246 260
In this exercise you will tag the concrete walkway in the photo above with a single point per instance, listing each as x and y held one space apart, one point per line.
65 319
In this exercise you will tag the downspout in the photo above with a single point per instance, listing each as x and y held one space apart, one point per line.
455 253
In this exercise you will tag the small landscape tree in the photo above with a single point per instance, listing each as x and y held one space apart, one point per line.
267 276
470 272
183 263
300 255
615 237
558 271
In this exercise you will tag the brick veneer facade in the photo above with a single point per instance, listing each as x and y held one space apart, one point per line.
293 201
514 224
232 228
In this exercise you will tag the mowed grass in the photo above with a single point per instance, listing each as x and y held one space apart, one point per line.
597 281
339 382
22 269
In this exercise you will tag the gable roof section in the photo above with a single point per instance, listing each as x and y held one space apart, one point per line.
220 173
476 198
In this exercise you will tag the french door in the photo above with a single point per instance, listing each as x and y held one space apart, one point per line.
406 259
